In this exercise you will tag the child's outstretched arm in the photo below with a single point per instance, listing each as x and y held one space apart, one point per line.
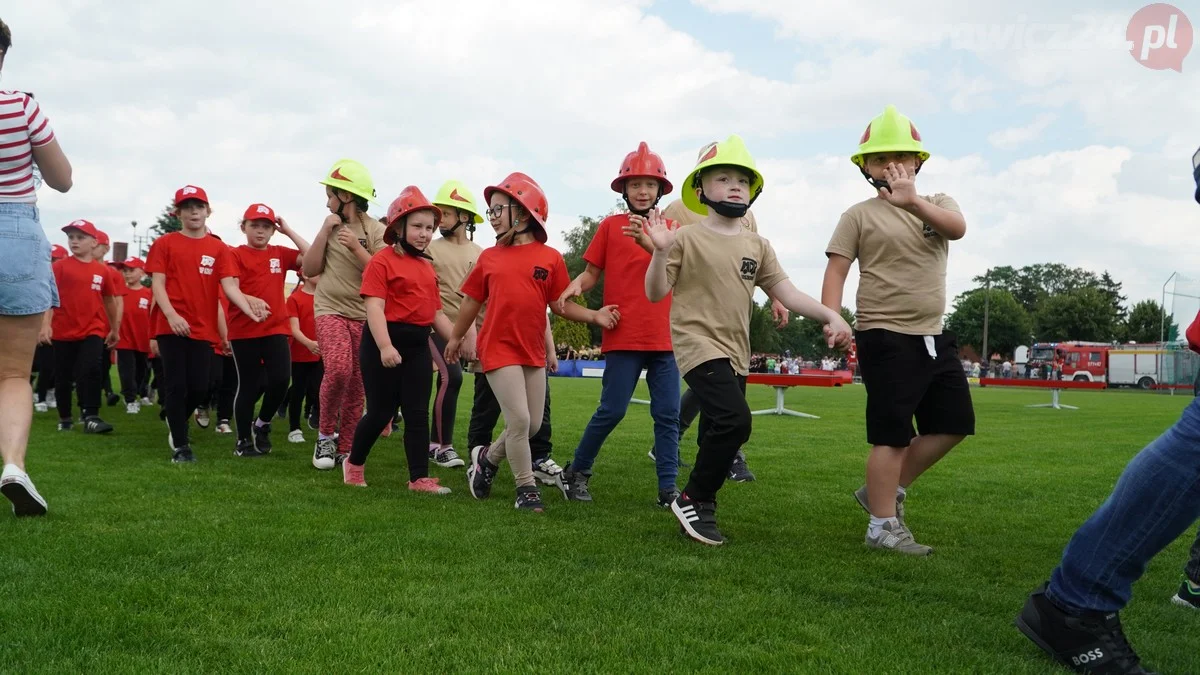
583 283
836 271
605 317
837 332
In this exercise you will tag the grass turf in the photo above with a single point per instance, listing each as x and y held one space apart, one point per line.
267 564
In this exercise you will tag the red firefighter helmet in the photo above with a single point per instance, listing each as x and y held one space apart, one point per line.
642 163
411 199
526 192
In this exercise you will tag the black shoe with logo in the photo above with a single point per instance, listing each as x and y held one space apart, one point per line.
183 455
95 425
698 520
1089 643
262 438
246 449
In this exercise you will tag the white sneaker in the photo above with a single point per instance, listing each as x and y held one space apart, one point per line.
324 454
15 484
146 401
295 436
224 428
40 407
547 471
51 402
132 408
202 418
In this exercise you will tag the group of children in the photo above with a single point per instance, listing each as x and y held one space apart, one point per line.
385 304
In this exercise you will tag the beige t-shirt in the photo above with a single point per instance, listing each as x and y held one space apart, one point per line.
714 276
681 214
452 262
338 292
901 264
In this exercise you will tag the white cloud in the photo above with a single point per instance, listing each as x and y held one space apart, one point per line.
1007 139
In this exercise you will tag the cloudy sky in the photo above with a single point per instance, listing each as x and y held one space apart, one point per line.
1058 144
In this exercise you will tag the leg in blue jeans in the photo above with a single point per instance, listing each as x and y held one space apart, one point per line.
621 372
662 376
1156 499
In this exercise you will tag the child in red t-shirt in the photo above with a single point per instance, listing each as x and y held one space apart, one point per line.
400 289
261 347
133 348
518 278
632 346
186 269
306 358
106 360
79 334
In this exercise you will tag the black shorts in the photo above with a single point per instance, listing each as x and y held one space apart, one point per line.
904 382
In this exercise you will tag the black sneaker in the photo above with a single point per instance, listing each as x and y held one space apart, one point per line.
313 422
1092 643
574 485
340 458
529 499
324 453
1187 596
262 438
246 449
183 455
666 497
739 472
112 399
653 458
698 520
65 425
95 425
481 473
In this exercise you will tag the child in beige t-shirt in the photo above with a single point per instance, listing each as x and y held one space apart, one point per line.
712 269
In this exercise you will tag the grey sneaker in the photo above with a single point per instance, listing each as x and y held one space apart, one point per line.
738 471
447 458
574 485
897 538
860 495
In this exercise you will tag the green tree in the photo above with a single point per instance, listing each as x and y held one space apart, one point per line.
1081 314
764 335
567 332
1145 323
166 223
1033 283
1009 324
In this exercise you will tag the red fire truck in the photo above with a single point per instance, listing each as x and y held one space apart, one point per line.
1131 365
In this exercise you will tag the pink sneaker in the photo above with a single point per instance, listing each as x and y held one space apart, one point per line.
429 485
353 475
387 431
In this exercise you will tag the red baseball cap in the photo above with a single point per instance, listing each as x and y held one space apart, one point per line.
58 252
83 226
132 263
102 238
259 212
190 192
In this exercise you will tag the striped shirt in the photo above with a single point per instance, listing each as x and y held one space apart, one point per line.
23 126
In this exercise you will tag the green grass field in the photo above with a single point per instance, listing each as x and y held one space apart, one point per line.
269 565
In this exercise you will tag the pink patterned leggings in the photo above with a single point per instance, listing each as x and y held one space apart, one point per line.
342 387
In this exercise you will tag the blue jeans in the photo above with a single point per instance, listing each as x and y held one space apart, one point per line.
621 372
1156 499
27 283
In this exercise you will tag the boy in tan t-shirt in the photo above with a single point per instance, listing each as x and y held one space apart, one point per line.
909 366
713 268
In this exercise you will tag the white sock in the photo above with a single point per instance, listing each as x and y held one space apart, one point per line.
877 525
901 491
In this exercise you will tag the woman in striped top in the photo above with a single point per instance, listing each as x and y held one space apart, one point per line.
27 288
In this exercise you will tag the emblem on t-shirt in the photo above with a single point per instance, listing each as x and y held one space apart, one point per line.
97 282
206 264
928 231
276 268
143 303
541 273
749 268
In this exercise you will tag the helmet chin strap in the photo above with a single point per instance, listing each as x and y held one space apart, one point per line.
883 184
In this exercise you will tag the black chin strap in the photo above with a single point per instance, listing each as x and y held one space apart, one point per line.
882 184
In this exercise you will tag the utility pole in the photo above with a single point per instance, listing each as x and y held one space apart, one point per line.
987 302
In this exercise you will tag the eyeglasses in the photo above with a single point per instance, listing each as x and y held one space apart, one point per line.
495 211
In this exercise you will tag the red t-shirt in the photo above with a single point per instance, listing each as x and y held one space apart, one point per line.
518 283
300 305
261 274
625 263
194 269
407 284
82 287
119 290
135 321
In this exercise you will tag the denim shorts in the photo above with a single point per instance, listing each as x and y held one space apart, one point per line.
27 283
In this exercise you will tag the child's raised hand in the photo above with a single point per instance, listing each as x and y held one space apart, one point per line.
389 357
281 225
636 228
656 228
607 317
838 334
331 221
902 188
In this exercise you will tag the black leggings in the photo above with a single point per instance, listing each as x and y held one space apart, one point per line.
222 387
78 362
186 367
156 384
407 385
132 368
272 357
106 371
306 385
44 359
445 402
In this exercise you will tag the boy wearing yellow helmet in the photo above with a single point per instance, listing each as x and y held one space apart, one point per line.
339 253
909 365
453 257
713 268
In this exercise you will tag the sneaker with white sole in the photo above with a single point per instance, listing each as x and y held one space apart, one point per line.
860 495
51 401
94 425
547 471
529 499
574 485
262 438
40 407
323 454
295 436
738 471
183 455
481 473
146 401
353 475
132 408
246 449
202 418
428 485
65 425
897 538
18 488
698 520
446 458
223 427
1188 595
